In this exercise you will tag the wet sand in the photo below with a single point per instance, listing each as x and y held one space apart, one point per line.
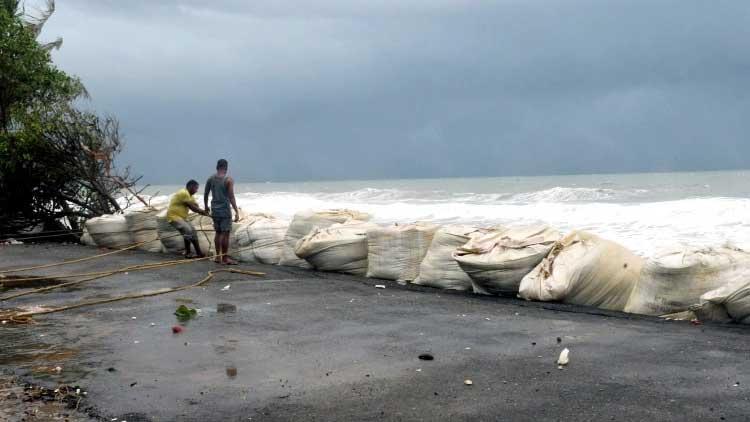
303 345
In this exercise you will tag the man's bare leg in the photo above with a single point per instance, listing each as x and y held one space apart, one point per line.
187 247
217 248
197 246
225 249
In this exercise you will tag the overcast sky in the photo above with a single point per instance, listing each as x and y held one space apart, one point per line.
349 89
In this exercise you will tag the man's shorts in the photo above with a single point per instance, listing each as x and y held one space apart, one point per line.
184 227
222 224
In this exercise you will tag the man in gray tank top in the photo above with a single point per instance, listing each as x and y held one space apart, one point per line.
221 188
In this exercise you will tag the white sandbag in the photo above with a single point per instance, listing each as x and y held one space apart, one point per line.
172 240
438 268
304 222
169 237
674 280
395 252
144 228
142 219
341 247
241 245
86 238
109 231
267 237
584 269
733 298
498 261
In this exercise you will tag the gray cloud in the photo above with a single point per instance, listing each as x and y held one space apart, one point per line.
415 88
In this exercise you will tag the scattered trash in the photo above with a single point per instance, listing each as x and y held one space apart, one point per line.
184 313
467 348
176 329
5 322
58 369
559 340
696 322
736 384
468 382
487 319
133 317
419 369
563 359
426 356
380 286
153 324
225 288
136 342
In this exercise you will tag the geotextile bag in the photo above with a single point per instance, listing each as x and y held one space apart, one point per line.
438 268
584 269
340 247
497 261
395 252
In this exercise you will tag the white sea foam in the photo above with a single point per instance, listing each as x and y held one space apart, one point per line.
615 214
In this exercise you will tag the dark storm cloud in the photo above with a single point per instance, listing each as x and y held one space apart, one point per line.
410 88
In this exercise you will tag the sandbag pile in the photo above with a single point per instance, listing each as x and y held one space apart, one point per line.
242 243
584 269
86 238
304 222
674 280
438 268
728 302
109 231
395 252
340 247
172 239
143 227
497 261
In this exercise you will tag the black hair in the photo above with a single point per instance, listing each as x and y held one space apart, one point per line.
191 182
222 164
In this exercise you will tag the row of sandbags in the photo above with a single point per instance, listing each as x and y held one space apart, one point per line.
533 262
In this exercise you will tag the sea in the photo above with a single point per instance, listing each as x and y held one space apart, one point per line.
646 212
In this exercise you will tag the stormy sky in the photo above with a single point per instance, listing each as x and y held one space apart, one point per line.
350 89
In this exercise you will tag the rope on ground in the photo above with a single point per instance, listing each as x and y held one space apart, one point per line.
73 261
26 317
24 237
101 274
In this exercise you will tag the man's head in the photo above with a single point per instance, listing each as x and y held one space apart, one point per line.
192 186
222 165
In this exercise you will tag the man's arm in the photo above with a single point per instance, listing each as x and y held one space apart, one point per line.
206 191
196 209
230 193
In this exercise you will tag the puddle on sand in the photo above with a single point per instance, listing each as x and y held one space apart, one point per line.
27 281
224 308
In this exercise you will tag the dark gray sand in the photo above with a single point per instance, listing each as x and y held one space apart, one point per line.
303 345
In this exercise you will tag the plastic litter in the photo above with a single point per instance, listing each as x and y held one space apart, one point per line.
468 382
564 358
380 286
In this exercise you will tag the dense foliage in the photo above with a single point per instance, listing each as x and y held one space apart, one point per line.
56 161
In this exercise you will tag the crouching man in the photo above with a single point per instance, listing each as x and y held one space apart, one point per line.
180 205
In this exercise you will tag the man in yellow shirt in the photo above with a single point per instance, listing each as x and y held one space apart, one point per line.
179 207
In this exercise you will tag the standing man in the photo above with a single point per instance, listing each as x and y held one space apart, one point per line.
221 187
179 207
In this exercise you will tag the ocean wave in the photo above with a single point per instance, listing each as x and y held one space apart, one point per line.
566 194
